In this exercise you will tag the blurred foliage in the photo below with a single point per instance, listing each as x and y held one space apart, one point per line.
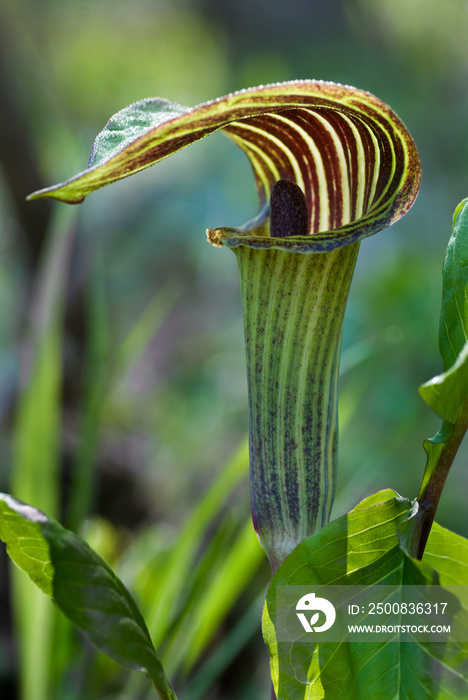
430 35
149 442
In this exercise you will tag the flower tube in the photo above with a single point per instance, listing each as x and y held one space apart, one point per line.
333 165
293 306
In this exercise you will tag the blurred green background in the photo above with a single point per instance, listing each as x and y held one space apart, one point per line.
122 380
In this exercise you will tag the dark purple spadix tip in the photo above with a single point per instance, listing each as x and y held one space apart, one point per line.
288 210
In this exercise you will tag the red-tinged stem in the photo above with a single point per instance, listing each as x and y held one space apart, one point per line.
432 487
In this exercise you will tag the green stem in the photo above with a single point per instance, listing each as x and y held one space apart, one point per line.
293 306
164 694
432 486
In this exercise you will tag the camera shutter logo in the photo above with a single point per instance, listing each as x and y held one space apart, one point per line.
310 603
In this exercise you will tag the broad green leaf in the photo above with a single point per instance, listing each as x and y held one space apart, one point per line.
447 394
349 153
363 548
21 531
84 587
447 553
453 332
376 499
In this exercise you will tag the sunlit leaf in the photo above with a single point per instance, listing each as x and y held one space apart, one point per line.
447 553
21 531
363 548
447 393
453 333
84 587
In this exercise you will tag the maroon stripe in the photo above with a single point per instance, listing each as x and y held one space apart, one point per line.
348 141
302 155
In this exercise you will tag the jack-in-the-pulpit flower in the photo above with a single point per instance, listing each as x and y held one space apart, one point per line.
339 166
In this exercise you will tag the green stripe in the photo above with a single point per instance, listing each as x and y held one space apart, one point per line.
293 314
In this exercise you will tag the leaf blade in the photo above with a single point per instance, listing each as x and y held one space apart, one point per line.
447 393
357 670
447 553
86 590
453 331
20 530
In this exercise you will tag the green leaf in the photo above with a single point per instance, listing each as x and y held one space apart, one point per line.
21 531
363 548
348 152
453 332
84 587
447 394
447 553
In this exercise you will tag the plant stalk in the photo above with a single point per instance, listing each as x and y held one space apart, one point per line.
432 487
